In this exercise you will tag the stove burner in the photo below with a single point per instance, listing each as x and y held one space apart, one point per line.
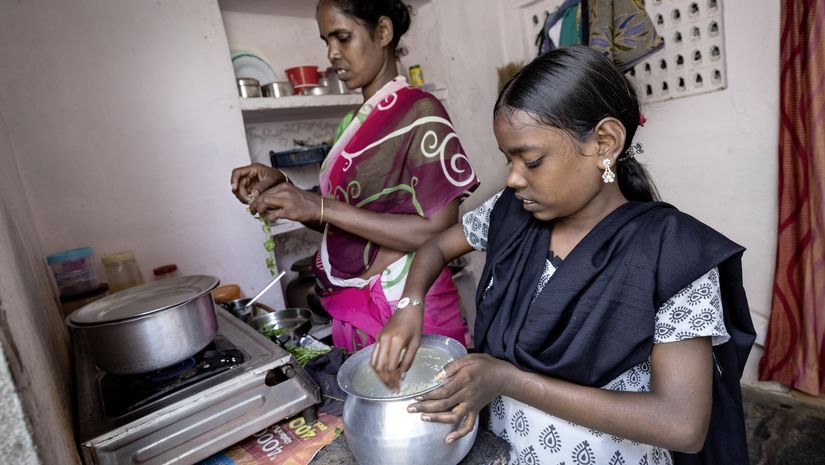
173 371
124 393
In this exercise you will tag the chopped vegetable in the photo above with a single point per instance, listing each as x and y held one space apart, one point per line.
272 331
269 243
304 354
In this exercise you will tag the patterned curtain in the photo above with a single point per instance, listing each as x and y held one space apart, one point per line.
795 346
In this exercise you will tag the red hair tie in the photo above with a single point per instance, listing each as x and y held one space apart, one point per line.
642 119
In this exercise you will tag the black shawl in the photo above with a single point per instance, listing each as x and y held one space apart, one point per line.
594 319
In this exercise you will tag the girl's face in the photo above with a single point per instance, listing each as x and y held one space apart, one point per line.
553 175
357 55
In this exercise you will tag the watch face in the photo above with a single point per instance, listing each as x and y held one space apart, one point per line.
403 302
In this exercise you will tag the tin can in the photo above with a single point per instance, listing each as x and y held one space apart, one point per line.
416 78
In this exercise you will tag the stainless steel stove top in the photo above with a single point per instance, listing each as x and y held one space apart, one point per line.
200 419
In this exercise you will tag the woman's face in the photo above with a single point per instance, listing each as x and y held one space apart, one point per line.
356 55
551 172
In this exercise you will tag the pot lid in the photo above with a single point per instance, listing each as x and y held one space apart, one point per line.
143 300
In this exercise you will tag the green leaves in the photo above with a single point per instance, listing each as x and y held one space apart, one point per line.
269 244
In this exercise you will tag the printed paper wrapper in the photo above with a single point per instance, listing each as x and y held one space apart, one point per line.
291 442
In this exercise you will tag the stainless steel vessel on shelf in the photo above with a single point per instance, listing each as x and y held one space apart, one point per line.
277 89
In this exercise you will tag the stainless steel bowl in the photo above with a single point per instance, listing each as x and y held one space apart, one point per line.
249 87
277 89
377 426
318 90
290 318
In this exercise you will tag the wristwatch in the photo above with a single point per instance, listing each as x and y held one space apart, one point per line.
406 302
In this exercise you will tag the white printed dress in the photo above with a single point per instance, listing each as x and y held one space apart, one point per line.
538 438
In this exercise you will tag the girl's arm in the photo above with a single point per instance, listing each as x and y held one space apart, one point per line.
402 334
675 414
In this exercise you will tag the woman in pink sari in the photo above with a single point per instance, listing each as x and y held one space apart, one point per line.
393 179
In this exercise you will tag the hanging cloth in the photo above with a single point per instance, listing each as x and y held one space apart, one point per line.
570 32
544 40
622 30
795 344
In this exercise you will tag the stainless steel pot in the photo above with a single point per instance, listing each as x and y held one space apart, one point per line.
249 87
377 426
149 327
277 89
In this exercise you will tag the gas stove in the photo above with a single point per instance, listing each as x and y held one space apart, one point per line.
238 385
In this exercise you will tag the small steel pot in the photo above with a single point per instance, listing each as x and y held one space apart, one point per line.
378 428
277 89
239 308
249 87
149 327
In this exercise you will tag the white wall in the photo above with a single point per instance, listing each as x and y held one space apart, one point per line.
35 386
715 155
124 120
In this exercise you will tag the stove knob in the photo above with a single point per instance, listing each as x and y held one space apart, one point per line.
288 370
279 375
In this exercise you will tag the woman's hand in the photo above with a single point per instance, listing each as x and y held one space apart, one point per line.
400 336
250 180
288 202
472 382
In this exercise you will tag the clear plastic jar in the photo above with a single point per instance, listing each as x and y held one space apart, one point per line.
122 271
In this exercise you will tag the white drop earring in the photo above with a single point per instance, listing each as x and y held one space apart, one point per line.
608 176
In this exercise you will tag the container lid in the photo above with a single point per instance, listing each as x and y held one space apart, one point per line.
165 269
117 257
68 255
101 289
143 300
246 81
226 293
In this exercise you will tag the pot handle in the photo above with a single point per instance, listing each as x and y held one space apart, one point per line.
264 307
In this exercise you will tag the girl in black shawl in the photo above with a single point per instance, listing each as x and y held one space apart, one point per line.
611 328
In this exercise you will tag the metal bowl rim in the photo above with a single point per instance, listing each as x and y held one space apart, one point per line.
262 320
355 361
213 282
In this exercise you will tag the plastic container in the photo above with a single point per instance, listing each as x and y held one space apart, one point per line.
302 77
225 293
166 271
73 270
122 271
299 156
416 76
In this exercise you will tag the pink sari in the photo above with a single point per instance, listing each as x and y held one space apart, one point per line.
400 154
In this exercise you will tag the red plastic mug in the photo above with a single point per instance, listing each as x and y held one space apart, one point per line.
302 77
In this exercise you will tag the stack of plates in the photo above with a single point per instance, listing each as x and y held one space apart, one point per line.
250 65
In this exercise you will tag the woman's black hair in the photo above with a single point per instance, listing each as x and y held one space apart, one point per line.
573 88
370 11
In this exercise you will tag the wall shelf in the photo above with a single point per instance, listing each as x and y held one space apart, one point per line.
298 107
